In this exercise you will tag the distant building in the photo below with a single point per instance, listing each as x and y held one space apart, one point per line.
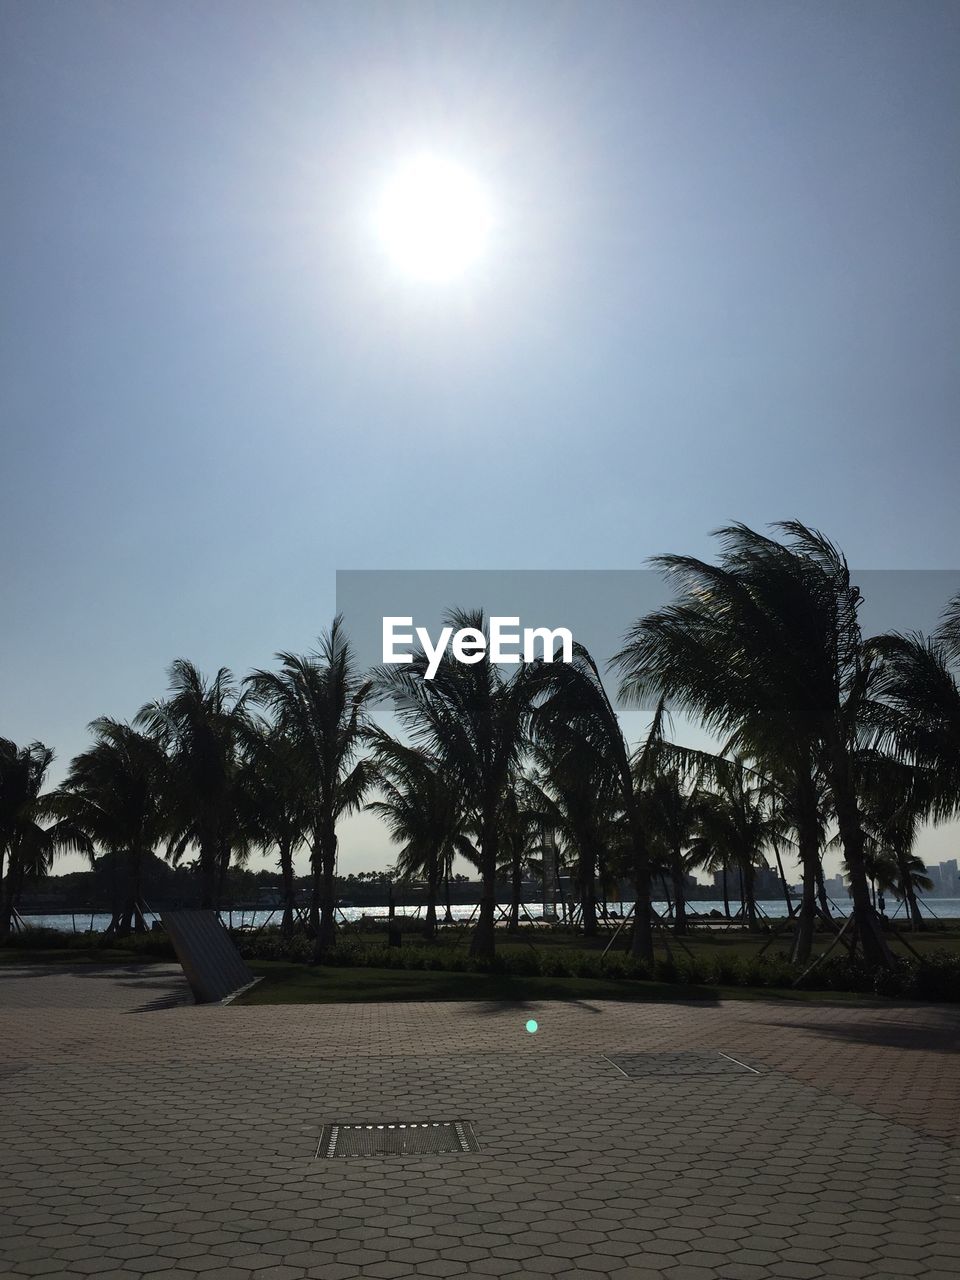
946 880
835 886
767 883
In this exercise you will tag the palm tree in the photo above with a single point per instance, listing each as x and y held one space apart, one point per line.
671 812
672 796
198 725
916 711
422 812
765 648
736 824
114 794
476 723
272 800
577 706
319 700
573 792
27 847
521 835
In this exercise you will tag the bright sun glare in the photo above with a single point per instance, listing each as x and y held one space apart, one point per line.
433 219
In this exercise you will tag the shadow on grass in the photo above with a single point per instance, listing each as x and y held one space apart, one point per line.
304 984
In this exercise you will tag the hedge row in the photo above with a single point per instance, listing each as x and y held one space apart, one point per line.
935 977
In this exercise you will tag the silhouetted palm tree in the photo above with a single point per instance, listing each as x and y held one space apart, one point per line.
114 793
521 836
736 824
27 847
476 723
574 792
422 812
671 778
766 647
197 725
272 801
577 705
319 701
917 712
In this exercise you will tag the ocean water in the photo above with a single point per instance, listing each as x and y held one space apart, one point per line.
82 922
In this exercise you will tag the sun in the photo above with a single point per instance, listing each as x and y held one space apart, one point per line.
433 219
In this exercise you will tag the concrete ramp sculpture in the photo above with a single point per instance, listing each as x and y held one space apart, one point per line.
211 963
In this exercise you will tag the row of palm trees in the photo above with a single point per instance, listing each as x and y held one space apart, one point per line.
827 738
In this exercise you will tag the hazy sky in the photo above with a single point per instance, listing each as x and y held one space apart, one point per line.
723 283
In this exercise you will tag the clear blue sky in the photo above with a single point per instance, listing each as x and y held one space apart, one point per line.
724 284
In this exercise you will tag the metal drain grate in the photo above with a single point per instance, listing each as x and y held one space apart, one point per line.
396 1139
678 1063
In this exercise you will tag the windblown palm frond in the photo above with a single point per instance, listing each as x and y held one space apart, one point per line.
765 649
319 701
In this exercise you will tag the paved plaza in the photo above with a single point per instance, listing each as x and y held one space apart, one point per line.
142 1136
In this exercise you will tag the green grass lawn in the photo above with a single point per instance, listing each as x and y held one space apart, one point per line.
732 943
285 983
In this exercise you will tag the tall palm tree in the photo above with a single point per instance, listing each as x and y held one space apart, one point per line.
521 836
273 801
576 704
27 847
766 647
114 793
320 700
476 722
672 809
736 825
422 812
198 725
672 780
573 790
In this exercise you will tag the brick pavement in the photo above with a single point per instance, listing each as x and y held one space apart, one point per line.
144 1137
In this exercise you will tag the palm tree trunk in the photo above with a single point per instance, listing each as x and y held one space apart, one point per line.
821 889
483 943
665 890
433 876
809 848
783 881
749 897
448 912
909 893
223 866
641 937
286 874
208 872
7 898
327 900
315 892
679 894
875 948
118 895
641 941
588 893
137 922
726 889
124 920
516 889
